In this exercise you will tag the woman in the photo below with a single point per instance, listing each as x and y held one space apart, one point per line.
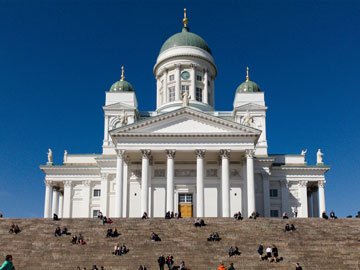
117 249
275 253
268 254
261 251
182 266
7 265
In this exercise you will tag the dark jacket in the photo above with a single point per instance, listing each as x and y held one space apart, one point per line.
161 260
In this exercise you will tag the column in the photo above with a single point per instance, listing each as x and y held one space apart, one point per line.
250 181
303 199
315 204
193 83
125 188
266 188
87 194
225 182
146 153
178 82
206 87
119 181
47 204
200 154
150 208
309 203
61 203
322 207
284 195
164 87
244 192
170 180
106 129
67 199
104 194
55 201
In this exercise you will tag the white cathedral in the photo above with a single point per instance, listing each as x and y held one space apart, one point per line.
184 157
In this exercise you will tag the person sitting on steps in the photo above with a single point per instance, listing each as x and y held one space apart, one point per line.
145 216
168 215
109 232
142 267
172 215
74 240
117 250
57 231
324 215
65 231
55 217
238 216
332 215
236 251
275 253
231 251
231 267
81 240
292 228
124 249
298 267
285 216
221 267
261 251
8 263
268 254
287 227
115 233
155 237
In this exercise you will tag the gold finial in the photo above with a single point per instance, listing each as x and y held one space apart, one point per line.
185 20
247 74
122 74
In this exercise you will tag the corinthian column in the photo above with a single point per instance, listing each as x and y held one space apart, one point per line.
146 153
225 182
303 199
104 194
200 154
193 82
47 205
67 199
322 207
250 181
61 203
119 181
55 201
170 180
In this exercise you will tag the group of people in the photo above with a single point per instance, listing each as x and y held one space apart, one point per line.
142 267
238 216
222 267
254 215
233 251
214 237
14 229
154 237
271 253
112 233
199 222
169 261
170 215
332 215
119 250
94 267
59 232
78 240
289 228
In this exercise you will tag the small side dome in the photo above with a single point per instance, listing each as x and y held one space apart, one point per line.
248 86
122 85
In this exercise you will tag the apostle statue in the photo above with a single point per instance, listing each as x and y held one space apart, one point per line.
247 119
185 99
319 157
65 156
123 118
303 152
50 156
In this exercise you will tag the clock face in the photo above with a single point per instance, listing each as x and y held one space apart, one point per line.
185 75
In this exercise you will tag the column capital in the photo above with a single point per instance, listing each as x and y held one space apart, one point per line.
56 188
303 183
104 176
170 153
200 153
67 183
250 153
48 182
120 153
321 183
146 153
224 153
86 183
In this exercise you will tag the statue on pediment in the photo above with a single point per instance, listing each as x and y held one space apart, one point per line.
319 157
123 118
303 152
65 156
248 119
185 99
50 156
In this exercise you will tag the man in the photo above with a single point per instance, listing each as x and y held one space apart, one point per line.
298 267
231 267
7 265
221 267
161 262
231 251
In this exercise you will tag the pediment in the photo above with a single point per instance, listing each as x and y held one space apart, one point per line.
250 107
186 121
118 106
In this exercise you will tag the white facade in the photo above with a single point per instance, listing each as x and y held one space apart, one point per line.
190 158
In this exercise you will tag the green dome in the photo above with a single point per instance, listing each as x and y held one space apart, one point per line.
248 87
185 38
122 86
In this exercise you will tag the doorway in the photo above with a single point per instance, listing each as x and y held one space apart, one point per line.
186 204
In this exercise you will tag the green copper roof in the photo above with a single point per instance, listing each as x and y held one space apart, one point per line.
185 38
122 86
248 87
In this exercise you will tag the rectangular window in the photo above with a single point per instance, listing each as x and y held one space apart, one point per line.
171 93
274 213
97 192
171 78
273 193
198 78
198 94
185 198
96 213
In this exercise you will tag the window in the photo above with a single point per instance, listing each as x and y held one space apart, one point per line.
273 192
185 198
97 192
96 213
274 213
208 83
183 89
171 93
198 78
171 78
199 94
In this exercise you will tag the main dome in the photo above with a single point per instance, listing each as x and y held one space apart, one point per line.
185 38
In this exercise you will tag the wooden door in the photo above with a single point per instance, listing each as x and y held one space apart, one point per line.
186 210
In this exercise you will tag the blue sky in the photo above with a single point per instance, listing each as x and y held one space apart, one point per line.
57 59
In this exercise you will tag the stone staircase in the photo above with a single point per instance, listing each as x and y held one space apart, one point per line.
316 244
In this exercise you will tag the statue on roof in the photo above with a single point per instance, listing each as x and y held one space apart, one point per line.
123 118
65 156
50 156
303 152
185 99
248 119
319 157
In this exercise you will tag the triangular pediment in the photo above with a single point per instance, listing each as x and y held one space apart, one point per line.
250 107
186 121
118 106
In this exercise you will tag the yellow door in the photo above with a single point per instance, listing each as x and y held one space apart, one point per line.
186 210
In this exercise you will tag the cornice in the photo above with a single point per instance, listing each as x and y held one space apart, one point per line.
302 168
183 135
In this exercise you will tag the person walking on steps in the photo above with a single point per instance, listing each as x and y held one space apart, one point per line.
7 265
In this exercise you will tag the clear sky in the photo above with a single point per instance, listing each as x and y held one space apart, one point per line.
57 59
